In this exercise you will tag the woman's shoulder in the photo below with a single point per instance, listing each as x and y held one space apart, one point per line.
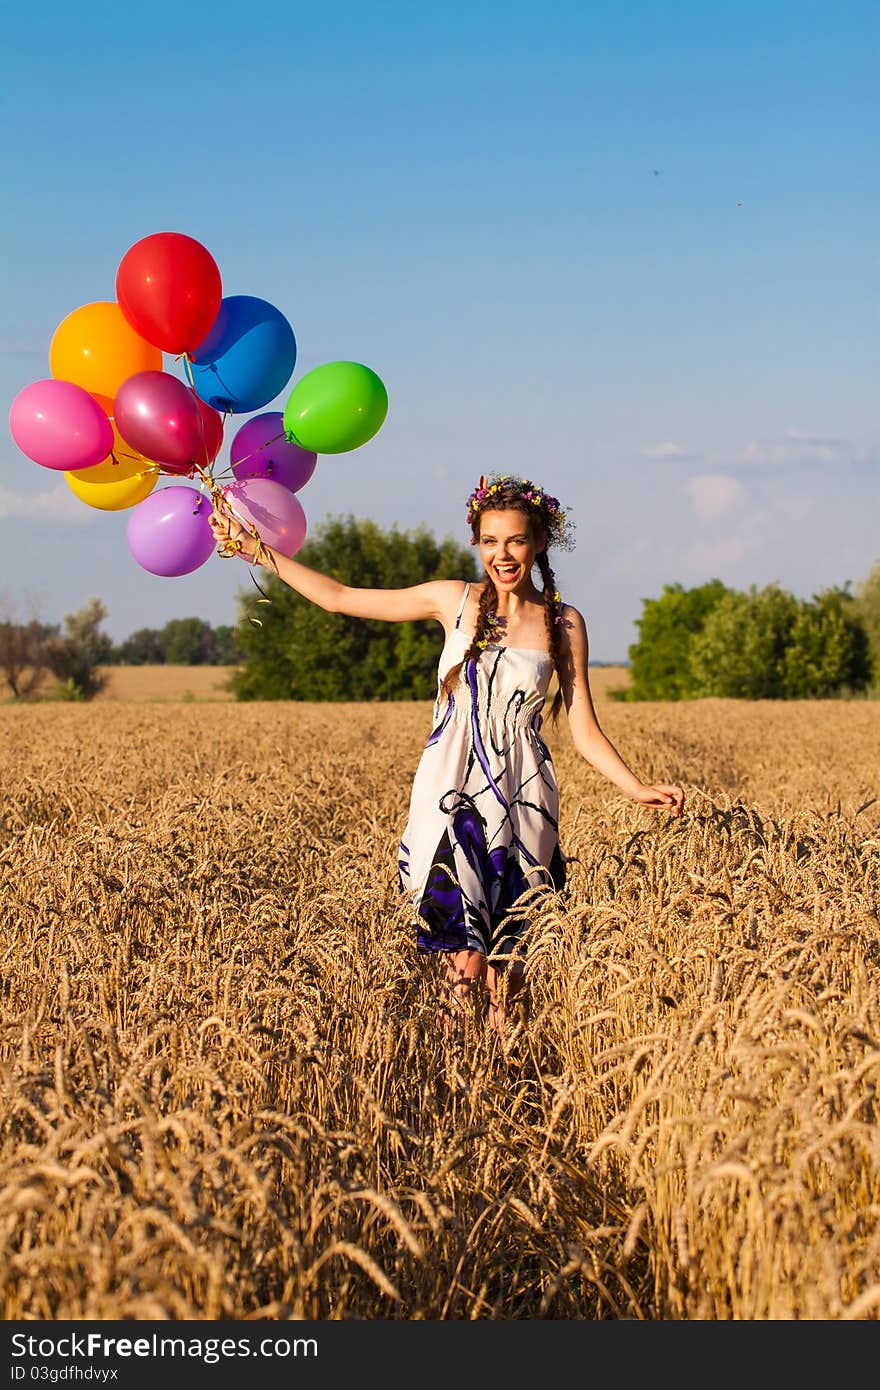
450 595
573 627
569 612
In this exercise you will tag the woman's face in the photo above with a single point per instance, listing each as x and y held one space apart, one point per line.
507 548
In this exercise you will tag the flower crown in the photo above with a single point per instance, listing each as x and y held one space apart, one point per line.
557 522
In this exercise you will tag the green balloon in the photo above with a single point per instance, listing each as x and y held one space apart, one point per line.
334 408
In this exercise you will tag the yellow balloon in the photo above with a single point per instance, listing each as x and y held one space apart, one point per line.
96 348
112 497
121 480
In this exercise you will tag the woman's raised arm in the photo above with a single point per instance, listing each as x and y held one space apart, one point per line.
434 599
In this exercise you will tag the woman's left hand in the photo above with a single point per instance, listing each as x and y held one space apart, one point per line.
228 528
662 794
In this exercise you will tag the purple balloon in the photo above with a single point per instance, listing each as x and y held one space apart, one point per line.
272 509
169 533
260 450
160 417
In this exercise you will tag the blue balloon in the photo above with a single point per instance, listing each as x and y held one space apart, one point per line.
247 358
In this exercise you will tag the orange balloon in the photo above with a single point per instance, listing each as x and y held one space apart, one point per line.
121 480
105 402
96 348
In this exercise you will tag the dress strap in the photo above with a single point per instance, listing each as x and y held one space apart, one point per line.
467 588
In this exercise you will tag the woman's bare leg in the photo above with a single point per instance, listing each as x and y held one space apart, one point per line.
464 971
505 987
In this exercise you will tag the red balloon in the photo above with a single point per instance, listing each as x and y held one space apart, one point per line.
160 417
168 287
212 426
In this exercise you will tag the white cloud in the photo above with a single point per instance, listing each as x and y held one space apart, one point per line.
668 449
691 560
793 447
746 521
733 531
56 504
714 496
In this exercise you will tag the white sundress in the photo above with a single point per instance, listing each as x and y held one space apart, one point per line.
483 815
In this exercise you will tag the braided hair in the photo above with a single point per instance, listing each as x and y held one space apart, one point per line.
553 623
514 494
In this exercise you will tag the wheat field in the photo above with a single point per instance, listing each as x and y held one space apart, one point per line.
224 1093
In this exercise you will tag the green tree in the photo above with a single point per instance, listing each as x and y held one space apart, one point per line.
740 652
660 667
142 648
827 649
302 652
868 609
188 642
76 653
227 651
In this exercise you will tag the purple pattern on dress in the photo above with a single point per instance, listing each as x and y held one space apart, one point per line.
480 750
444 909
436 733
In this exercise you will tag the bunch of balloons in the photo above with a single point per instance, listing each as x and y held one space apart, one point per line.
114 421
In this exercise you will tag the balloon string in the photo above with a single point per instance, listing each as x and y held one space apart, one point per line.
116 454
269 442
221 503
187 367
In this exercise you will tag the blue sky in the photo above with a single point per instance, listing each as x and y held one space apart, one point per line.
627 249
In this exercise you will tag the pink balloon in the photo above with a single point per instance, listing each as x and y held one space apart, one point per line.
260 450
159 416
272 509
59 425
169 533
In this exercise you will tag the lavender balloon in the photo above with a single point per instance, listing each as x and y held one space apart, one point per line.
272 509
169 533
260 450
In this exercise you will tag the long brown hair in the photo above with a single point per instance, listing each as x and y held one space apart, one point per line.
510 499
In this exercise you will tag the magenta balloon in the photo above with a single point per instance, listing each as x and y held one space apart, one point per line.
159 416
59 425
272 509
260 450
169 533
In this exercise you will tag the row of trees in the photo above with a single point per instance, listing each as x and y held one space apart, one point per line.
77 652
709 640
761 644
181 642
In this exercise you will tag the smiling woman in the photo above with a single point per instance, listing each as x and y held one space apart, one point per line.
482 836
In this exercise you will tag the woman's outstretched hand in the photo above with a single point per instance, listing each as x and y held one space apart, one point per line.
671 796
231 535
